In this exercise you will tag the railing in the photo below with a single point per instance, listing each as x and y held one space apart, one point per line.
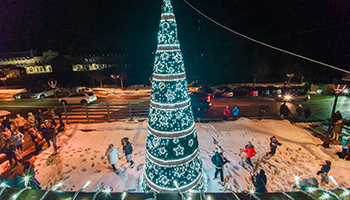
105 111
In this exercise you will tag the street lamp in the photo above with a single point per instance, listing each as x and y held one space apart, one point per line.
53 83
289 77
115 77
327 140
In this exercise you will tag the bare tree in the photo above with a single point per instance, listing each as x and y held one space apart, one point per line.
122 76
98 76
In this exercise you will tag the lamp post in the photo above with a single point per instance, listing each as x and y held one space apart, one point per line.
115 77
53 83
327 140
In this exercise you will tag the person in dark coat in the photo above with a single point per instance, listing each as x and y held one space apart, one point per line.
39 119
28 170
286 112
336 117
261 113
307 113
326 167
259 181
282 107
9 151
49 134
220 162
127 148
6 122
299 110
273 146
36 137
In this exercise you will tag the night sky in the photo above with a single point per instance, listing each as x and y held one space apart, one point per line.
316 29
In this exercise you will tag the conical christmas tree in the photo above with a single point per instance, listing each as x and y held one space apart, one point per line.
173 161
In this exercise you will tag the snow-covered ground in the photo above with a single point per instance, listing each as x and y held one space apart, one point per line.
82 148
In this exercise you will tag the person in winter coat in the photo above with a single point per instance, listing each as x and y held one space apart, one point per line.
112 157
259 181
9 151
336 117
6 122
20 122
31 120
18 139
250 151
219 164
261 113
345 147
286 112
299 110
36 137
28 170
326 167
307 113
127 148
39 119
282 107
337 129
49 134
226 113
53 116
235 112
273 146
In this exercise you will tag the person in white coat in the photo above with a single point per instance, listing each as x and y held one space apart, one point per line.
112 156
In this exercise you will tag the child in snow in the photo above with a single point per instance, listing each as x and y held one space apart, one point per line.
250 151
219 163
127 148
273 146
345 147
337 129
259 181
112 157
326 167
226 113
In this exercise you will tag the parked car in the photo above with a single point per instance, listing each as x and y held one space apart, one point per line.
245 91
200 107
201 96
48 92
223 92
23 95
79 98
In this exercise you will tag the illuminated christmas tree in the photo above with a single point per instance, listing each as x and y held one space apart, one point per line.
173 161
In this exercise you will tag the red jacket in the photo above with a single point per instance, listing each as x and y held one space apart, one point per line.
250 151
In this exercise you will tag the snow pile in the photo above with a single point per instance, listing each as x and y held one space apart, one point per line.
82 148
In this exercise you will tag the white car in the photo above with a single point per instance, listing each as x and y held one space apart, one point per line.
48 92
79 98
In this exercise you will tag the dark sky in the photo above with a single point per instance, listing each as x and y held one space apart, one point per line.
317 29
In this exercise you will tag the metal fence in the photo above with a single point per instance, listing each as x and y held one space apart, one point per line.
104 112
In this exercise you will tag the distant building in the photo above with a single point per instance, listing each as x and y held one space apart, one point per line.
11 64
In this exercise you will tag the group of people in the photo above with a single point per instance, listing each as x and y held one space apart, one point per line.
285 112
40 126
112 153
259 180
235 112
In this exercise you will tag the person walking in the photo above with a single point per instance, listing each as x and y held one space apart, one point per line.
219 161
299 110
31 120
326 167
36 137
345 147
20 122
112 157
261 113
282 107
337 129
18 139
235 112
273 146
127 148
259 181
49 134
226 113
307 113
9 151
250 151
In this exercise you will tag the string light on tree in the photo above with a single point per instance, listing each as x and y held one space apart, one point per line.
172 146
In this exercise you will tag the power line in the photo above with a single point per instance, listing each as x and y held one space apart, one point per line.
264 44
